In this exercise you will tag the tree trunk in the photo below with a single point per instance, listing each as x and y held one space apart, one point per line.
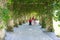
16 22
2 30
10 25
43 21
49 24
2 34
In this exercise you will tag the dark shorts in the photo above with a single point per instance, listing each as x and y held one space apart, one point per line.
30 23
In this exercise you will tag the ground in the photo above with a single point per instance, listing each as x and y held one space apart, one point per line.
26 32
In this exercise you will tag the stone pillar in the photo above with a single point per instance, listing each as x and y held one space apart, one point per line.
49 24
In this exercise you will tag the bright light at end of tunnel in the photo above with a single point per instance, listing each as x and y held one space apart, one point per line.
33 13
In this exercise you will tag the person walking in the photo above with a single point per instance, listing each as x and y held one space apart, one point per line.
33 20
30 21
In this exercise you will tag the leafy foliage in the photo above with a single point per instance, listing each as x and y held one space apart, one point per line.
4 17
58 16
25 7
4 14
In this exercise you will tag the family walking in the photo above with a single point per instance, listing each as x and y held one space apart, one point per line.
32 21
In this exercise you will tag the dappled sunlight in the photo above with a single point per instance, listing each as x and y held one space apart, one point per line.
56 28
55 24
